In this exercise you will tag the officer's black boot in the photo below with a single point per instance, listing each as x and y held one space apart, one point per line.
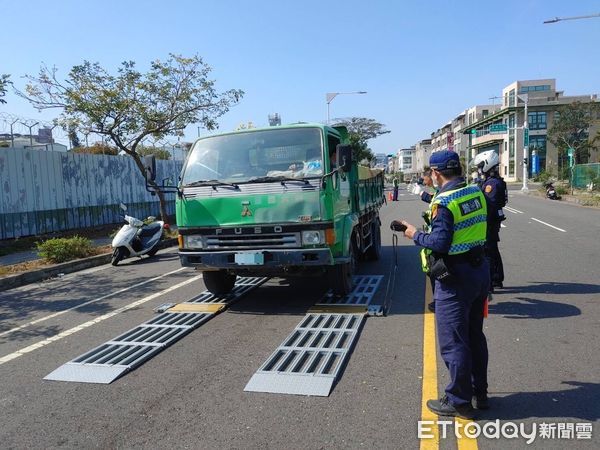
442 407
481 401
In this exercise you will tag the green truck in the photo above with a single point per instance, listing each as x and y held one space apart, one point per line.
280 201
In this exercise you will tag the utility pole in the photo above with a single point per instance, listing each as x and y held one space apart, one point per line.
560 19
525 98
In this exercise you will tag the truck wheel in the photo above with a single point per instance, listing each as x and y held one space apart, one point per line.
373 253
219 282
119 254
340 275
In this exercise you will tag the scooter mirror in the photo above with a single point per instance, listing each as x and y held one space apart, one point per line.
151 218
123 207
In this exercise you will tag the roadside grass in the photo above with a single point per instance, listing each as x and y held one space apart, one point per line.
41 263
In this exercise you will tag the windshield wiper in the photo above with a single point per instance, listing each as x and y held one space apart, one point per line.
212 183
282 179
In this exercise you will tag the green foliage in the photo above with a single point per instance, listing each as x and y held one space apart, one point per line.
129 106
543 176
561 190
159 153
571 130
360 131
59 250
97 149
4 82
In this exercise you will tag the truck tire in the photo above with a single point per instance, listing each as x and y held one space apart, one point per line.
341 275
219 282
373 253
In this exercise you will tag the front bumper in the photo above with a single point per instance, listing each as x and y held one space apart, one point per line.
273 259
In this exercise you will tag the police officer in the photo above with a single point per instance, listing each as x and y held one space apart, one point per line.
456 257
496 195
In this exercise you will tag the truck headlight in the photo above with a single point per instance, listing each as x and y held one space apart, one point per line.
193 242
311 237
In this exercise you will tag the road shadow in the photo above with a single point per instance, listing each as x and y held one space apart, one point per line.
531 308
275 298
579 402
559 288
404 283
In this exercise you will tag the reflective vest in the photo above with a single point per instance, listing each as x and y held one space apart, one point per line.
469 211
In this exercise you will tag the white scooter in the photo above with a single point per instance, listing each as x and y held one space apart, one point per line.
136 238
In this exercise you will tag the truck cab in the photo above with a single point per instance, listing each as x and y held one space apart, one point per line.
279 201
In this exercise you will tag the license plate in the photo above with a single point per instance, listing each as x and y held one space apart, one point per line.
250 258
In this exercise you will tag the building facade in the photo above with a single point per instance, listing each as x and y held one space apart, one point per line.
422 154
529 107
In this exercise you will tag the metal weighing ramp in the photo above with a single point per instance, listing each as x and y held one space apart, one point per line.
310 359
109 361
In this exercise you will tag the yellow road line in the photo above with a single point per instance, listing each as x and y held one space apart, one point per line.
430 390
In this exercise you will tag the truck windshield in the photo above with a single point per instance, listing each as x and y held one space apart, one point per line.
244 157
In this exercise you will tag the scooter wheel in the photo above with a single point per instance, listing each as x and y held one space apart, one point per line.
119 254
152 251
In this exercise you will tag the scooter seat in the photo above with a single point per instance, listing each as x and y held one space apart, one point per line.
149 230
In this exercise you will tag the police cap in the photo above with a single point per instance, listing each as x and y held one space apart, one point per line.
445 159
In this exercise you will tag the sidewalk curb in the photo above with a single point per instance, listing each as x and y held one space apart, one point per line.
33 276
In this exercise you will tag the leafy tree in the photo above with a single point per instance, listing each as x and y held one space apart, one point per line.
159 153
360 131
129 106
99 148
571 130
4 82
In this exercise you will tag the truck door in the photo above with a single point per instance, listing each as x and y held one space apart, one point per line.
340 185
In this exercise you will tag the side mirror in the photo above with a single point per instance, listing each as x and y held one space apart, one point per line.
344 155
150 167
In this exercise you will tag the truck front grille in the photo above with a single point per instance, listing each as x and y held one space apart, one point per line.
260 241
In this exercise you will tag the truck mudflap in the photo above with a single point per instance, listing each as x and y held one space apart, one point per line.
256 258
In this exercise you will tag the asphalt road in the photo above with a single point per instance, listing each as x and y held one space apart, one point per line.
543 333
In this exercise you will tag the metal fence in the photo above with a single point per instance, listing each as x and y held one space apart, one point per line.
584 174
43 192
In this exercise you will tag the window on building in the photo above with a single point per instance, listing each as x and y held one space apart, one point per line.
511 121
537 120
485 113
539 88
556 115
511 168
511 98
511 147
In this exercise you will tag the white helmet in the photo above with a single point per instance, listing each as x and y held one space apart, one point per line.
486 161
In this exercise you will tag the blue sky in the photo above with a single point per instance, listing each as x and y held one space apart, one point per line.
421 62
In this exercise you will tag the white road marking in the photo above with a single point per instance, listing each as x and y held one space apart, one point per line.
89 323
42 319
513 210
547 224
502 225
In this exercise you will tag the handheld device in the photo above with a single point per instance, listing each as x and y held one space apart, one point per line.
397 226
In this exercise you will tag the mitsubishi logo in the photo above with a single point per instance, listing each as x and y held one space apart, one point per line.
246 209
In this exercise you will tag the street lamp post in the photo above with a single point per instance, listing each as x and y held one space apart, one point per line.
560 19
331 95
524 188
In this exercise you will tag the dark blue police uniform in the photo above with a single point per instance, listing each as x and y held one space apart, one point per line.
495 193
459 308
459 313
